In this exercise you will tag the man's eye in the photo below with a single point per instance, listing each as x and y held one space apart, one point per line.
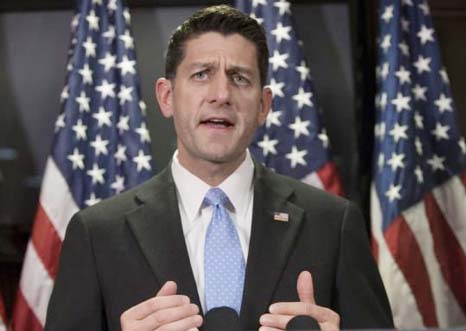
240 80
201 75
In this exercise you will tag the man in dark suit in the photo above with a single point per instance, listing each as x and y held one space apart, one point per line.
137 261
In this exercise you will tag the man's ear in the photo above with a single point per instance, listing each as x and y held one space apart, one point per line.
164 93
266 104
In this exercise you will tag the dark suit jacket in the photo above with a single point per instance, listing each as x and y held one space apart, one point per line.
119 252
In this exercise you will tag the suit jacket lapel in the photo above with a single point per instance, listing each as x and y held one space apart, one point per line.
270 244
156 224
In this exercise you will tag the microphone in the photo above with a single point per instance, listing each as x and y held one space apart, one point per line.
302 323
221 318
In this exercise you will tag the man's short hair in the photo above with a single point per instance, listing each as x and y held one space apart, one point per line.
224 20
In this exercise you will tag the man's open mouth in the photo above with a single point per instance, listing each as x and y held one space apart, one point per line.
217 122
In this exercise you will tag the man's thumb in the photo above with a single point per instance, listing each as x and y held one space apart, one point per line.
305 287
169 288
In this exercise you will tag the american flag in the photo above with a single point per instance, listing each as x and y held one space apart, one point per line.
418 191
293 141
101 145
3 322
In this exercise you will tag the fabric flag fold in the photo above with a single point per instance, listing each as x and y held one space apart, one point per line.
418 195
294 140
101 145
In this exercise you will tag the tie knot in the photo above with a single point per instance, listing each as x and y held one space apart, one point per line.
216 196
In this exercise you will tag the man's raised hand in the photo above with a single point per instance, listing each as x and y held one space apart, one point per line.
281 313
167 311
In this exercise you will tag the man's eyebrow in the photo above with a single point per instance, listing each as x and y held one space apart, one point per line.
201 65
231 69
241 69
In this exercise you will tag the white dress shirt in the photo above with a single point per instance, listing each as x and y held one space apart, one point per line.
195 217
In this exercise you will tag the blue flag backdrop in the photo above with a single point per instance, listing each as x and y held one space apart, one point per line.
294 140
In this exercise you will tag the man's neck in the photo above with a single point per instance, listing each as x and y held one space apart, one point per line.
212 173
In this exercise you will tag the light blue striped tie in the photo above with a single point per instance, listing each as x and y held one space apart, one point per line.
223 257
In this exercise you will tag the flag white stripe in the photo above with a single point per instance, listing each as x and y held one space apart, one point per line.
447 309
36 284
451 199
2 314
56 198
402 300
314 180
2 322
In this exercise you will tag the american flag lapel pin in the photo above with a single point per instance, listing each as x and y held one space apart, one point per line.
281 217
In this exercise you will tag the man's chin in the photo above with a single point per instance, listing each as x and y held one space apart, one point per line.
223 156
218 158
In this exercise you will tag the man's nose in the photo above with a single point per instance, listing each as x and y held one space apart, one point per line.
219 90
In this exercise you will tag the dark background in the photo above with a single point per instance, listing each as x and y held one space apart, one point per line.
339 43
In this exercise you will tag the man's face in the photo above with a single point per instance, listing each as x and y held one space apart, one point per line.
216 99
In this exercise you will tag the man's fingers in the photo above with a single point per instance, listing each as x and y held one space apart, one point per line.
188 323
282 312
169 288
268 328
144 309
165 298
305 287
329 327
166 318
171 315
167 311
320 314
275 321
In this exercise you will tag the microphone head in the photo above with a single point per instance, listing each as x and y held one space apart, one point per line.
302 323
221 319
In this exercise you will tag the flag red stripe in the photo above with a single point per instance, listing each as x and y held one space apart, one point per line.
24 318
330 179
407 254
46 241
451 257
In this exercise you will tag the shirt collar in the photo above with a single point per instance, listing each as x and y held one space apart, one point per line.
238 186
192 189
